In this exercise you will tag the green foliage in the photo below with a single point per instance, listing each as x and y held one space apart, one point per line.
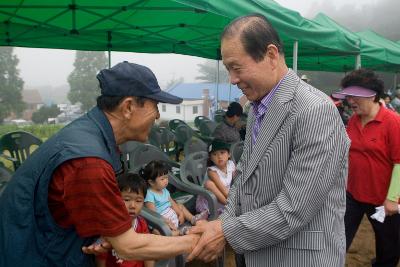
209 72
82 80
44 113
11 84
43 131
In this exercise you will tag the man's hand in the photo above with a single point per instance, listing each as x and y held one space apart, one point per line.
97 248
211 243
391 207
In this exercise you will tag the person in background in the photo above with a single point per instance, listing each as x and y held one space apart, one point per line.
396 100
133 191
387 100
219 175
374 164
229 129
65 195
159 199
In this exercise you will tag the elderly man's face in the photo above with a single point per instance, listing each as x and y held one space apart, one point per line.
142 119
255 79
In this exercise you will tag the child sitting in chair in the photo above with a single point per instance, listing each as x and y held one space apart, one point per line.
133 191
158 198
219 175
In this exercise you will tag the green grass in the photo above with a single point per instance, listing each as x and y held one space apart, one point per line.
43 131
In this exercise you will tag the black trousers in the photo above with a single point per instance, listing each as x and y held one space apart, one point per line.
387 234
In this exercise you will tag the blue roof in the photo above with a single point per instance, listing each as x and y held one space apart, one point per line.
192 91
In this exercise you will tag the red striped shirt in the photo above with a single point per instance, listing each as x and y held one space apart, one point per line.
84 194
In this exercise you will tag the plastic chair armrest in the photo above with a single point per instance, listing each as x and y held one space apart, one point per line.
197 190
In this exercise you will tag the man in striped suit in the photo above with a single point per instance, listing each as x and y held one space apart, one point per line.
287 203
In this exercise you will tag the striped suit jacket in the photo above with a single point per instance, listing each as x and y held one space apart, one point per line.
286 206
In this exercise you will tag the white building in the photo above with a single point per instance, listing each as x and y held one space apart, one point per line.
187 111
199 99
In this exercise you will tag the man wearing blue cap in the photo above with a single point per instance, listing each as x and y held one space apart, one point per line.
65 195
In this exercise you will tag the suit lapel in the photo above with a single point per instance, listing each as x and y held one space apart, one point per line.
273 119
247 143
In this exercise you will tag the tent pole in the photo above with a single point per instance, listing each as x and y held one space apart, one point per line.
358 61
295 50
217 84
109 45
109 59
395 80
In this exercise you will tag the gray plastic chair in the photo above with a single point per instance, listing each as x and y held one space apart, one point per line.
167 141
194 167
162 138
172 124
219 115
199 119
194 145
207 128
193 170
183 133
143 154
236 151
155 221
155 136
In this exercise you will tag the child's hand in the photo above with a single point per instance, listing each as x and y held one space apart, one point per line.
170 224
181 218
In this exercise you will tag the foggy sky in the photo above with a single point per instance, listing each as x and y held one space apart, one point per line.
43 67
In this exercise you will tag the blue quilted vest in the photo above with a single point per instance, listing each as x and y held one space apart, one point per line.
28 234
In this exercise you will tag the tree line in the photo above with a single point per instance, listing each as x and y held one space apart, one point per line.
82 81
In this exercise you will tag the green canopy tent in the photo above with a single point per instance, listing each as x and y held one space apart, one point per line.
189 27
302 36
393 49
372 55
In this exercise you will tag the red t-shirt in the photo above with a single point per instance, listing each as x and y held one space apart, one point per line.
111 260
373 152
84 194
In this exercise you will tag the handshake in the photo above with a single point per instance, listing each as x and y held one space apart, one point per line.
205 242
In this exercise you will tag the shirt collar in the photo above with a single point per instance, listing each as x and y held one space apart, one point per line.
260 107
381 114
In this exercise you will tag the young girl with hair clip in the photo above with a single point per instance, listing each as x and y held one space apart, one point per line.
159 200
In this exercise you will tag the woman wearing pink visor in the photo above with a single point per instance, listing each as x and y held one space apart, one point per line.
374 164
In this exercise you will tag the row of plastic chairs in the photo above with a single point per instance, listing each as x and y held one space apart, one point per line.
218 117
186 179
136 155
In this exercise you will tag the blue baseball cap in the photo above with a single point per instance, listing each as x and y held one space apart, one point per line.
129 79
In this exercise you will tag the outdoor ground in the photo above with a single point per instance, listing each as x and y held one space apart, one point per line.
360 254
